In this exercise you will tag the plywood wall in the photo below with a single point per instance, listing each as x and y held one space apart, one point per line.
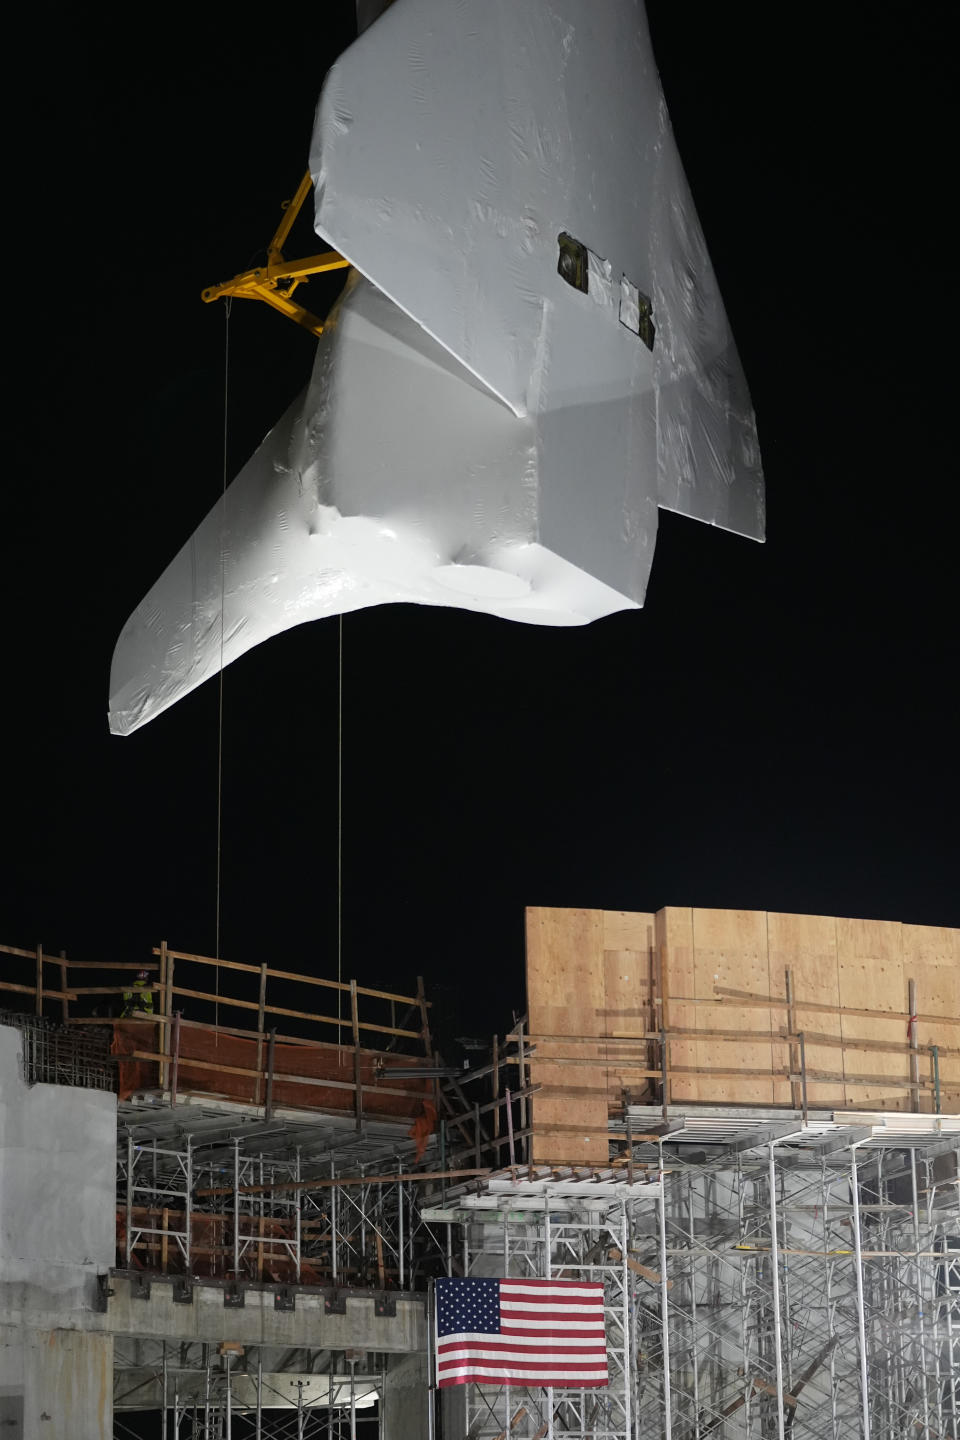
588 974
931 955
843 965
611 974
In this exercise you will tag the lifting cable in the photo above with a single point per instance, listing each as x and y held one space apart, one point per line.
223 517
340 836
219 881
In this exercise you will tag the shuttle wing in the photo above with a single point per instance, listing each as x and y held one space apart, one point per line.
530 358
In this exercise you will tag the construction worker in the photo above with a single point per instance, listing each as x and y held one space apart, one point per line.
140 997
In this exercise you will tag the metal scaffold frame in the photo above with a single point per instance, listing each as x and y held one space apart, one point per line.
568 1243
269 1223
793 1280
207 1392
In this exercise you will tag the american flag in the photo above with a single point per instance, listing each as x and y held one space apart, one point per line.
521 1332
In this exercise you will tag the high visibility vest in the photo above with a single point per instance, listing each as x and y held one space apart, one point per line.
139 998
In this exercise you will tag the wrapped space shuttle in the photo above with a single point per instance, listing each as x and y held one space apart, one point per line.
529 358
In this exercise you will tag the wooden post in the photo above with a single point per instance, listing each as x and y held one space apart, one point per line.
268 1104
164 1241
65 1003
260 1015
792 1027
513 1158
476 1136
522 1071
175 1062
357 1072
166 960
39 991
665 1032
914 1055
165 1002
424 1019
495 1088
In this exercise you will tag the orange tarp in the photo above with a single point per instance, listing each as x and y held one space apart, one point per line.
327 1063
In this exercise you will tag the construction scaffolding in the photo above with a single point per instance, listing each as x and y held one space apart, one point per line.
225 1392
771 1271
764 1277
292 1204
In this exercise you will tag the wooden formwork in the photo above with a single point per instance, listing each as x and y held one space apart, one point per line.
734 1007
590 987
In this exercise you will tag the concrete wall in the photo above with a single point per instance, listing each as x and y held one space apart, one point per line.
55 1384
57 1232
258 1322
405 1399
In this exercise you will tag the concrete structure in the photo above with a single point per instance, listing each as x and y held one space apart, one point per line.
156 1308
57 1235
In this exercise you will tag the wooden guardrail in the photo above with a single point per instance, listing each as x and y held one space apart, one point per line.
644 1054
251 990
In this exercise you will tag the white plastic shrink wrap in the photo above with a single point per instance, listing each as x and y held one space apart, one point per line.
537 358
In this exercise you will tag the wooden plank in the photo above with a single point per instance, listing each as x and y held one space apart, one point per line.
111 965
854 1042
424 1018
65 1003
294 1014
931 955
23 954
261 1001
807 945
280 1077
565 995
292 975
108 990
628 930
629 945
674 942
31 990
797 1061
664 1053
355 1024
730 946
870 965
767 1002
166 1004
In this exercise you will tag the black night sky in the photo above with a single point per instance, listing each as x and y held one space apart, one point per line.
775 730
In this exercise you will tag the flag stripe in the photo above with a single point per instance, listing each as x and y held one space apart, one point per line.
556 1287
525 1301
560 1339
572 1327
520 1377
574 1361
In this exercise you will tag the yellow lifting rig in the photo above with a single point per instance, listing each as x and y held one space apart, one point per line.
275 282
